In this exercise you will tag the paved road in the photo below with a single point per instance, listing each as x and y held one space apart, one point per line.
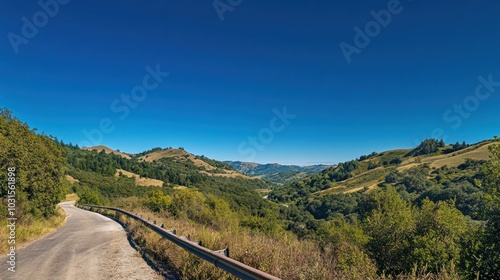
89 246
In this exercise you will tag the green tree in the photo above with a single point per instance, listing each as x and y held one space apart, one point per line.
159 202
347 241
187 203
391 227
89 196
39 166
428 146
487 259
440 230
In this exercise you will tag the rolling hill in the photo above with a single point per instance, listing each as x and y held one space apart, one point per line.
206 166
203 165
413 175
107 151
276 173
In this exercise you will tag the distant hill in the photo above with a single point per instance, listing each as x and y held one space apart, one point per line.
276 173
443 165
108 151
205 165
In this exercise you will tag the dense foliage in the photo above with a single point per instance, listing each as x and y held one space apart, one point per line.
39 166
428 146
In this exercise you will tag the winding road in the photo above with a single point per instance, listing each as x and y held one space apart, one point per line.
89 246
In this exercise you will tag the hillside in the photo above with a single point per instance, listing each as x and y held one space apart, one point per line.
139 180
107 151
206 166
276 173
252 168
368 172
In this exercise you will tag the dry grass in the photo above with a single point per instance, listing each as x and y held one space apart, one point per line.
29 229
71 179
177 154
335 189
167 153
140 181
182 155
477 152
370 179
455 159
283 256
369 186
72 197
228 174
108 151
407 166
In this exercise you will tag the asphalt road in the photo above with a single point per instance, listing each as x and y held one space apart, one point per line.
89 246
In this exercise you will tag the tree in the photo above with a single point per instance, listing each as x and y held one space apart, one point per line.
441 143
347 241
487 259
428 146
158 201
391 227
440 229
39 166
89 196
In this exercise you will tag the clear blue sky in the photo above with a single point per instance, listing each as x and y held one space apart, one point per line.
226 78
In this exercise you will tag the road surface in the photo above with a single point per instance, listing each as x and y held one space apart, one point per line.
89 246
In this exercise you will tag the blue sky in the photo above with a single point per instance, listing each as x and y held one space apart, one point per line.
412 76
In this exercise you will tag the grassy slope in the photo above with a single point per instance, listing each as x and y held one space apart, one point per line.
108 151
181 155
140 181
363 178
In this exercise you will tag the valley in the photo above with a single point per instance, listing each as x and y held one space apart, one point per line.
439 199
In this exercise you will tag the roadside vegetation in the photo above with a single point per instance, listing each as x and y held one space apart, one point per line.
39 168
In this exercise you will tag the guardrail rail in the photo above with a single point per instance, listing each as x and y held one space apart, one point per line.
218 258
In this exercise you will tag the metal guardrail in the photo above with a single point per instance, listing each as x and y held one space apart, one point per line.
218 258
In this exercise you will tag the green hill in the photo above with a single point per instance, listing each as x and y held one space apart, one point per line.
176 168
440 175
276 173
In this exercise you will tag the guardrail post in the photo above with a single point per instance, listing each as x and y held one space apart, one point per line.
224 252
